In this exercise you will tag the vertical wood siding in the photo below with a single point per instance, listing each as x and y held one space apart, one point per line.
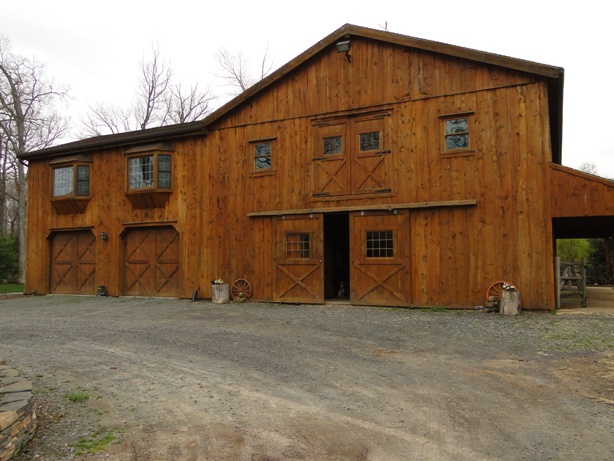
455 252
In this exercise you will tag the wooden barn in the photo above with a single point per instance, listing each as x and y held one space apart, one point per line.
410 172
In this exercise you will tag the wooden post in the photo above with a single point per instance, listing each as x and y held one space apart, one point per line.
582 283
557 282
509 304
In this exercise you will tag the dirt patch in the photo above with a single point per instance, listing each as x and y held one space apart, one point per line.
176 380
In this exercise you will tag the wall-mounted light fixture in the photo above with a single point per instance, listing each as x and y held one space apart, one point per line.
104 236
344 47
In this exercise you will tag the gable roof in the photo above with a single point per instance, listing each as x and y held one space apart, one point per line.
554 74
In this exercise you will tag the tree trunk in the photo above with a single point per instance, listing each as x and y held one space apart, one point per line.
509 304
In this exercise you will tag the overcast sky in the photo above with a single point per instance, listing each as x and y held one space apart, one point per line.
96 47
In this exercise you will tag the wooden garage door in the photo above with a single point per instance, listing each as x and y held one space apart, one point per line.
380 259
151 262
299 272
73 263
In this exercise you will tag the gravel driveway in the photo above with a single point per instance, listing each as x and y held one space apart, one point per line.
176 380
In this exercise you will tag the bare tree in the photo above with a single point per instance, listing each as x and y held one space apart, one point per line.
184 106
28 121
589 167
236 71
158 102
150 107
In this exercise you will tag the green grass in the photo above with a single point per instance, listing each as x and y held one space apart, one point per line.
79 396
10 288
95 443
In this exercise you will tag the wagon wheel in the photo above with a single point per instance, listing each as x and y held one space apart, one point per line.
495 290
241 290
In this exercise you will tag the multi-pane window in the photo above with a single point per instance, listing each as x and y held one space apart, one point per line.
456 133
262 155
380 244
73 180
149 172
83 180
333 145
369 141
297 245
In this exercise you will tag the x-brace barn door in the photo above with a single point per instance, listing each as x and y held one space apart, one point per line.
380 259
73 263
152 262
298 268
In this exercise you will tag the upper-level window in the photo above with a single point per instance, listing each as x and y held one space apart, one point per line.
262 155
71 181
380 244
457 137
149 172
152 171
457 133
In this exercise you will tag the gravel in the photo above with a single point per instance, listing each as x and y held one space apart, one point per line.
171 379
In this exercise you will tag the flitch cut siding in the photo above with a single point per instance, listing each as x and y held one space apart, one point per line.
455 253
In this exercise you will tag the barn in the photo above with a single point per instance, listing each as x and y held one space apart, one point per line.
375 168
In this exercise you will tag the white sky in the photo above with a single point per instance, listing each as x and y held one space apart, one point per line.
96 47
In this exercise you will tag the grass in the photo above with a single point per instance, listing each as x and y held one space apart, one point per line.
79 396
10 288
95 443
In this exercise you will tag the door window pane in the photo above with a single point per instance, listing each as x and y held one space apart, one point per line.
380 244
297 245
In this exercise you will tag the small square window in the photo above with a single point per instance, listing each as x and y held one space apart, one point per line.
369 141
380 244
298 245
262 155
333 145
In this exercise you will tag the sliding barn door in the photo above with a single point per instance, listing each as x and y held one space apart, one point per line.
380 259
298 267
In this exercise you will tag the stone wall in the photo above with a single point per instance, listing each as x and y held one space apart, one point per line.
17 412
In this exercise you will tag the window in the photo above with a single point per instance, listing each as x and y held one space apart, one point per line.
333 145
262 156
380 244
457 134
149 172
297 245
369 141
71 181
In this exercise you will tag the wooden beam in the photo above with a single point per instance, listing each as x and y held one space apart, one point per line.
384 207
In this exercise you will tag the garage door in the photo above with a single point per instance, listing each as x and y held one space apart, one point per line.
151 262
73 263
